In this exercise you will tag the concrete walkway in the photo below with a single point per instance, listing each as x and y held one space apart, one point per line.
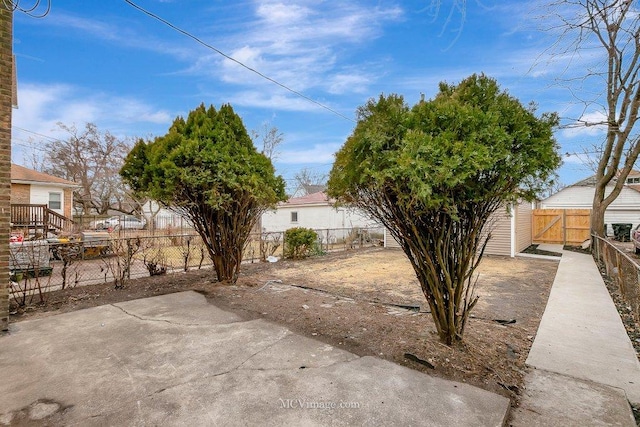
585 367
178 360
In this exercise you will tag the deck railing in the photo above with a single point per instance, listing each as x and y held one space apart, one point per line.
38 217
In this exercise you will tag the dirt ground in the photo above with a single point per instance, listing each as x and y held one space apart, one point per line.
367 302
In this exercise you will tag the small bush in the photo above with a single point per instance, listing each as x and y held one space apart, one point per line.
299 242
317 249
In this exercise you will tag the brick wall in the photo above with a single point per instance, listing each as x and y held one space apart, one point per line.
20 194
6 63
68 202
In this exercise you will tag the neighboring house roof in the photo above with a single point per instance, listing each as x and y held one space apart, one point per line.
319 198
591 181
306 189
22 175
587 182
313 188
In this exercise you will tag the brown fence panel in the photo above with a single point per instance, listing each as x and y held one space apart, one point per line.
577 226
562 226
548 226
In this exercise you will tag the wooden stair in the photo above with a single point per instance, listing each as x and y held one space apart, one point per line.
39 219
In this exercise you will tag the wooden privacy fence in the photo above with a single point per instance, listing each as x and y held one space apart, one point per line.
563 226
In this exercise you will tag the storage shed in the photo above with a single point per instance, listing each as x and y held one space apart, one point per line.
510 230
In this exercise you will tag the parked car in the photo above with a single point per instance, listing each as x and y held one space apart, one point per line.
635 238
129 222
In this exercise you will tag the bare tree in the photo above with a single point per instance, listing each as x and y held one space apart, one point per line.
609 29
270 137
93 160
309 182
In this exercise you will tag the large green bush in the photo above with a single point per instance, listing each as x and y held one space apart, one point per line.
299 242
433 174
207 168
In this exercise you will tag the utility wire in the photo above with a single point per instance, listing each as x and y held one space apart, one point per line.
207 45
14 5
36 133
29 145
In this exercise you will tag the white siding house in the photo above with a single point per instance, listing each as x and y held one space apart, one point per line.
510 231
314 211
625 209
162 218
30 187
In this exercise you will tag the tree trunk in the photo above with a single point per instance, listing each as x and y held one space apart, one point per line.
597 220
227 267
598 209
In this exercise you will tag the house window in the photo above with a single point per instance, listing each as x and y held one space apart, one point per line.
294 216
634 180
55 201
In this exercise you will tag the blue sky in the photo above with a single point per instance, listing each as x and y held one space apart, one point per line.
106 62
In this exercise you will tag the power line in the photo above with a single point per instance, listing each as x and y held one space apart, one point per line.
14 5
36 133
26 144
207 45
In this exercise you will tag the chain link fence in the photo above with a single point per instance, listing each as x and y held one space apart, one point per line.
125 225
40 266
623 270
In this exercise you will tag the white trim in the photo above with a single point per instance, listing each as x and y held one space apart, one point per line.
44 184
514 212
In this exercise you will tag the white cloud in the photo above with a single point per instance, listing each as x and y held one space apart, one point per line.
279 13
349 82
300 45
318 153
589 124
283 101
41 107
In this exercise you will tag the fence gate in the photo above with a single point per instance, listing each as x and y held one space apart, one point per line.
562 226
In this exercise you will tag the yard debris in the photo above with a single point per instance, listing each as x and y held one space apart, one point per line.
513 388
400 311
411 307
512 352
272 258
269 282
305 306
416 359
505 321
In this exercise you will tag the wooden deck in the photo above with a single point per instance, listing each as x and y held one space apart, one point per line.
39 219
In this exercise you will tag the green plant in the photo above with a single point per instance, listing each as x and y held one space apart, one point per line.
317 248
433 174
299 242
207 168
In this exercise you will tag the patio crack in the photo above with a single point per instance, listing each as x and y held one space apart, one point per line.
322 366
147 319
282 336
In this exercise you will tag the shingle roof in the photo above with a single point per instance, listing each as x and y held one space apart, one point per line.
591 181
22 174
310 199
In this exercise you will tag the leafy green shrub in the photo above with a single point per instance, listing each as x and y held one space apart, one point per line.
299 242
317 249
